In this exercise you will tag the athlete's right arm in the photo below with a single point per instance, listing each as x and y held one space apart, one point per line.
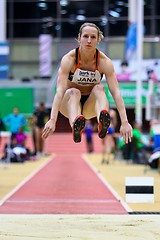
63 72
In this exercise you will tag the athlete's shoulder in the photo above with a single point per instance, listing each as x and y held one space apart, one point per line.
103 56
105 62
70 56
71 53
68 61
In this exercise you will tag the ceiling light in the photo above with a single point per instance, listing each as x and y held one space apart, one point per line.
80 17
63 3
113 13
104 20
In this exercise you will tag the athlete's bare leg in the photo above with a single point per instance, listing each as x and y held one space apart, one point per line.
95 103
71 106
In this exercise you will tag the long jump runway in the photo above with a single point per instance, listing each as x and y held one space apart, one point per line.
65 185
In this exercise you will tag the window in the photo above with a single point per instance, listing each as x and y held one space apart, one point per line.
62 18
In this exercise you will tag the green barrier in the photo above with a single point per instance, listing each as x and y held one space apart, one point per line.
128 92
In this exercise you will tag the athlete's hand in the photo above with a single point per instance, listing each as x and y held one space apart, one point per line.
49 128
126 132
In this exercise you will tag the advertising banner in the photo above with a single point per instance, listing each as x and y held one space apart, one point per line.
128 92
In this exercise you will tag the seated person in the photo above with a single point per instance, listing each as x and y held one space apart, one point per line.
154 159
124 75
151 74
15 151
21 143
21 137
139 148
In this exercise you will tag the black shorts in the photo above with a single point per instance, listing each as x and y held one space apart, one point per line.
83 99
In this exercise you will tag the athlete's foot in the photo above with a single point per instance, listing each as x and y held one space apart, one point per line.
103 124
78 125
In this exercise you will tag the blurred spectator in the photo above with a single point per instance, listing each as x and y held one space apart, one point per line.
151 75
40 117
140 149
124 75
16 150
7 154
21 137
155 134
33 132
14 121
13 153
2 127
137 135
154 159
89 136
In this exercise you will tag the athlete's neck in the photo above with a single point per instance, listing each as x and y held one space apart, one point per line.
86 55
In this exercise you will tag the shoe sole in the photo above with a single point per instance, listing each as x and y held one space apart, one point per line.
104 122
78 126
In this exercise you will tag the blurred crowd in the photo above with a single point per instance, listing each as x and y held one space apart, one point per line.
144 148
16 149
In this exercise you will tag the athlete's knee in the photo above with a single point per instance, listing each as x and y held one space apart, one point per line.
73 92
98 91
98 88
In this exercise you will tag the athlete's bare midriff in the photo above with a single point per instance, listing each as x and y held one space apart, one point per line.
85 90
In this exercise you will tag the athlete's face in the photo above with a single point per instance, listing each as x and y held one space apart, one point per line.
89 37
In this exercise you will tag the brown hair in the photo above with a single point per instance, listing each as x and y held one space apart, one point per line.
100 34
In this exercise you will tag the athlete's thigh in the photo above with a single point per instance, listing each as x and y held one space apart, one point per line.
89 107
64 106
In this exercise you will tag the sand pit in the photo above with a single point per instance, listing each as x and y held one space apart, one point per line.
80 227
